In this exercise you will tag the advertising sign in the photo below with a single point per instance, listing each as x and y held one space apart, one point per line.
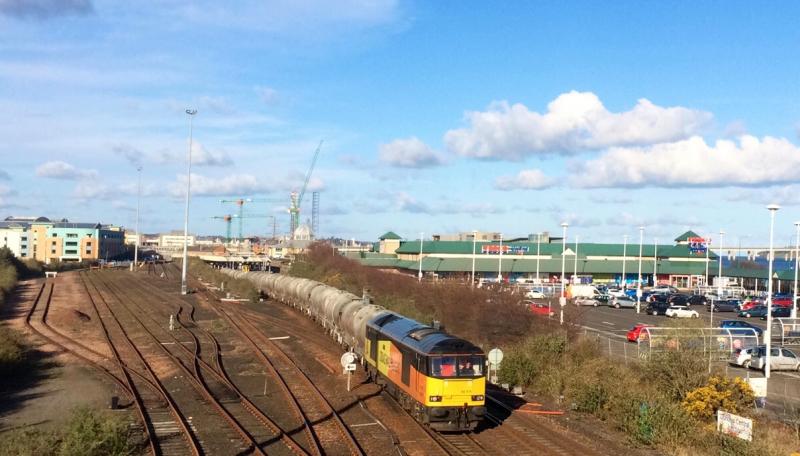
494 249
698 244
735 425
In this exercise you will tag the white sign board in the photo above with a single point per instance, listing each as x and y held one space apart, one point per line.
562 301
495 356
735 425
350 367
348 359
759 386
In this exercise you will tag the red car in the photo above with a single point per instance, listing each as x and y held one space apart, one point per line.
540 308
782 301
636 333
749 303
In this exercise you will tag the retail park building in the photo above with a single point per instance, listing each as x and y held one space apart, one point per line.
685 263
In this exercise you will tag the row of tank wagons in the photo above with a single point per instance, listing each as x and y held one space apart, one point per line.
343 314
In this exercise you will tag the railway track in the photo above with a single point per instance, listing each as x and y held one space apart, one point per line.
168 430
249 417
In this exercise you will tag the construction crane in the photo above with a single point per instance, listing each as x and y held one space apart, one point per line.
296 199
227 219
274 221
241 202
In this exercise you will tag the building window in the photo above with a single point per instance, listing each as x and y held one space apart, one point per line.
72 243
23 255
72 235
70 252
88 243
54 242
23 246
55 234
53 251
23 238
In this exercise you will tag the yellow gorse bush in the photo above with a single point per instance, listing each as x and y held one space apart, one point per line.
733 396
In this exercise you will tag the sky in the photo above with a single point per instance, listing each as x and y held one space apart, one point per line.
435 117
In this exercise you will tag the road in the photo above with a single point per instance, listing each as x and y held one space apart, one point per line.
784 387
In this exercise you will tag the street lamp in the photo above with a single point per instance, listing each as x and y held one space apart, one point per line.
419 274
639 281
796 264
773 208
138 205
575 267
708 246
185 266
538 251
655 264
472 275
719 274
624 260
500 262
562 301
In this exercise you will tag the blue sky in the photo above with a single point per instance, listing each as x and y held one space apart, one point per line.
437 116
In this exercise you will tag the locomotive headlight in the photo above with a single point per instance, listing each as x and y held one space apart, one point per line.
478 397
435 398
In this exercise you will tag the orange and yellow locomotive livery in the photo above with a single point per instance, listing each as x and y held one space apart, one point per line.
437 377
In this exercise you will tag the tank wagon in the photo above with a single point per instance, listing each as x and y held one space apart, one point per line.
436 377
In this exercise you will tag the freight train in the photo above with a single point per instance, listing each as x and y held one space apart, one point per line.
438 378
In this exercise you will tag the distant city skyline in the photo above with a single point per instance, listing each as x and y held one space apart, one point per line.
437 117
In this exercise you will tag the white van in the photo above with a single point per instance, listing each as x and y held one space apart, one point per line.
583 290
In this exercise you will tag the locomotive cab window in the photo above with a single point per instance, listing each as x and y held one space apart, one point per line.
470 366
443 366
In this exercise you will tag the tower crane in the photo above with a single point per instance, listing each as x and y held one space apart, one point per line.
241 202
296 199
227 219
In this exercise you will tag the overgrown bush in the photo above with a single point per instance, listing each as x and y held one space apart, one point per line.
85 434
12 352
730 395
240 287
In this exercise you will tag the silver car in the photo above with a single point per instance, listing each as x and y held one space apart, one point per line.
780 359
619 302
586 301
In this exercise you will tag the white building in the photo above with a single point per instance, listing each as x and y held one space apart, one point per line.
15 236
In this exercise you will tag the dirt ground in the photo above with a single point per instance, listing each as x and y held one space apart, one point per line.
46 394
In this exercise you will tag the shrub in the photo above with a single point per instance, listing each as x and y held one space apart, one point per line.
731 395
12 352
676 372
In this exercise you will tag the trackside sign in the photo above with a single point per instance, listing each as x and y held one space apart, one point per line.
735 425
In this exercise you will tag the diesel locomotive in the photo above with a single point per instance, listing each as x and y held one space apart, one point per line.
438 378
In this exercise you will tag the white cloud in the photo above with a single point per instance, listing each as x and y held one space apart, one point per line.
409 153
93 190
694 163
62 170
201 156
574 122
527 179
407 203
44 9
267 95
231 185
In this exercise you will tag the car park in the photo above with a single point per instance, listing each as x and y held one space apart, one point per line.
757 311
740 327
637 332
586 301
623 301
780 359
681 312
724 305
664 289
696 300
779 312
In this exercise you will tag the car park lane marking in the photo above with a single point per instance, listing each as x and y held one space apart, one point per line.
608 333
608 323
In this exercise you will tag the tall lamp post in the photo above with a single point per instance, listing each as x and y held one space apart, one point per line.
562 301
773 208
639 280
719 274
623 283
538 251
500 261
575 266
472 275
419 274
138 205
796 264
655 263
185 266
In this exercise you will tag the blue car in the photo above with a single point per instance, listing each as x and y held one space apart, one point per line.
740 327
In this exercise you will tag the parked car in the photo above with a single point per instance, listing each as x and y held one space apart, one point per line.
631 293
749 303
653 297
586 301
534 294
678 299
585 290
540 308
779 312
757 311
657 308
697 300
781 301
741 327
742 357
780 359
681 312
664 289
724 305
636 333
615 292
623 301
